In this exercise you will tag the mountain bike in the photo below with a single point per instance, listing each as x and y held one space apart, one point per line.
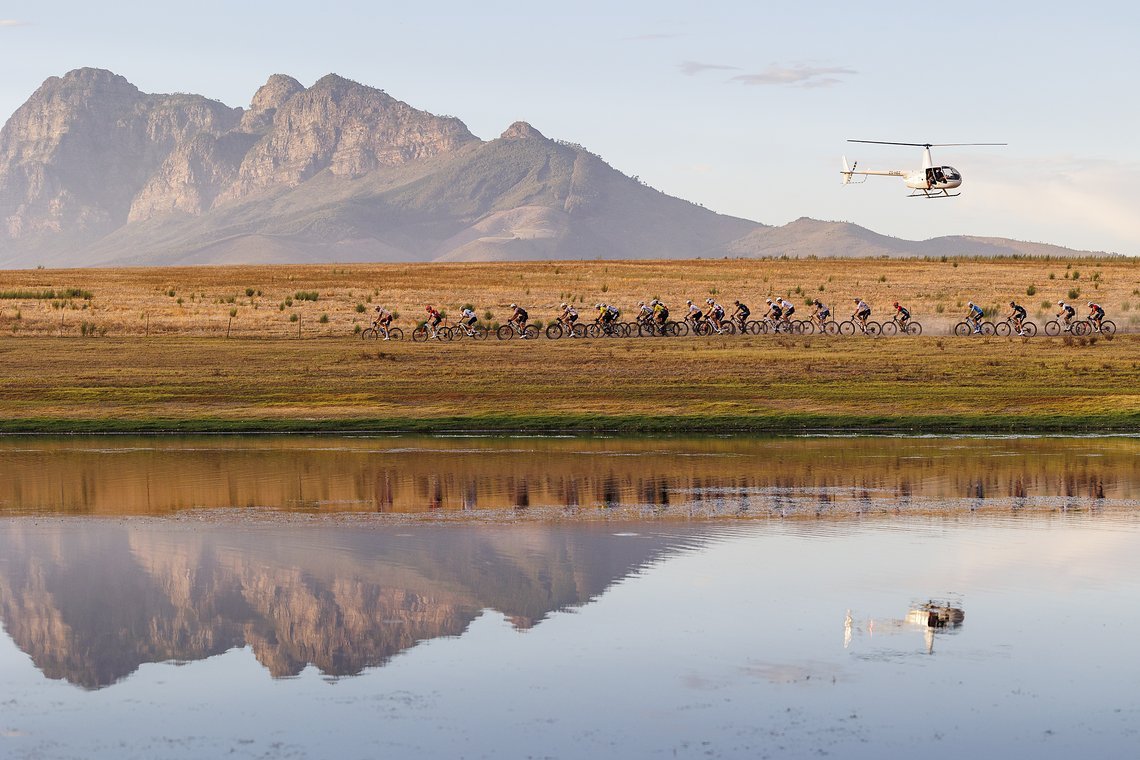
1028 329
462 330
964 329
1085 327
559 329
512 330
896 326
378 332
425 332
850 327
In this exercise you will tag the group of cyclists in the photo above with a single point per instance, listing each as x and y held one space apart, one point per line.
778 314
1018 315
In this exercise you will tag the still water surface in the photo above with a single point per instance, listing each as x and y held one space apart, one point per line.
849 597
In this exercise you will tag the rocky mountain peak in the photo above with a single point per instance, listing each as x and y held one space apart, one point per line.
278 89
521 130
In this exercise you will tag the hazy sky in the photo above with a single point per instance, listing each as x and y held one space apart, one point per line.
743 107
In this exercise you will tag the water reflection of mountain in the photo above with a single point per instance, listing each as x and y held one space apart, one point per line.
160 475
89 601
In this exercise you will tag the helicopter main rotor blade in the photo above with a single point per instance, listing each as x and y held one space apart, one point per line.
922 145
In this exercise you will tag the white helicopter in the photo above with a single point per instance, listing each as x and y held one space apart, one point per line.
928 182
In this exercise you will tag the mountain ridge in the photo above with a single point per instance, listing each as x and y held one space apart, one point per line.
94 172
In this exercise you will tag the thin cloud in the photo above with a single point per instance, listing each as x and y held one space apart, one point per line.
692 68
796 75
12 22
651 37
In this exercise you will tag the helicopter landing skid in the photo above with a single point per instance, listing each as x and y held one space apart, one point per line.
928 194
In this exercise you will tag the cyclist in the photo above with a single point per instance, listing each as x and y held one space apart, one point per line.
861 314
1017 314
715 313
740 314
789 309
695 314
902 315
519 317
568 317
383 320
644 313
605 316
433 320
820 312
1096 315
467 320
974 314
1066 314
660 312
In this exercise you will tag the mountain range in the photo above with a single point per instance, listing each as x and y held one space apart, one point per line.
94 172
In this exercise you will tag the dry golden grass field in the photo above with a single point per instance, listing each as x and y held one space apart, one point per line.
269 301
122 353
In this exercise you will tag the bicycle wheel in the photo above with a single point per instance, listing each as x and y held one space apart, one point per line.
890 328
505 332
962 329
1003 329
1029 328
914 328
554 331
847 327
1108 327
421 333
874 329
831 328
1052 327
646 330
578 330
987 328
1081 328
593 330
369 333
395 333
676 329
728 328
530 332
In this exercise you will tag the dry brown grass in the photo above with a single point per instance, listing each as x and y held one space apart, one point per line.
133 302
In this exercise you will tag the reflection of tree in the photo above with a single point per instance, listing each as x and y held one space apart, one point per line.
91 601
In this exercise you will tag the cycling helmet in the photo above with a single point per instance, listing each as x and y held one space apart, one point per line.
428 307
688 303
1090 303
857 300
1060 303
563 306
641 303
709 301
896 304
736 303
971 303
514 306
1011 303
769 300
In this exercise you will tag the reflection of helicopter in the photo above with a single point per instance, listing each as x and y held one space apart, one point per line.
929 617
928 182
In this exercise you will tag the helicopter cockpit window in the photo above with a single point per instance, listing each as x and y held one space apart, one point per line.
937 172
951 173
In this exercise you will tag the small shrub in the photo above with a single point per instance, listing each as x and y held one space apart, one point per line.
1076 274
955 264
605 288
882 278
233 312
939 308
360 308
281 307
1052 275
179 302
356 329
249 292
488 315
306 295
171 293
1074 293
1031 290
231 299
293 317
288 301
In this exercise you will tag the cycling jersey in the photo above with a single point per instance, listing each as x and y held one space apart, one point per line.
520 315
776 311
1019 311
1069 311
614 311
717 311
976 311
902 312
861 308
694 310
789 310
645 312
744 312
469 317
